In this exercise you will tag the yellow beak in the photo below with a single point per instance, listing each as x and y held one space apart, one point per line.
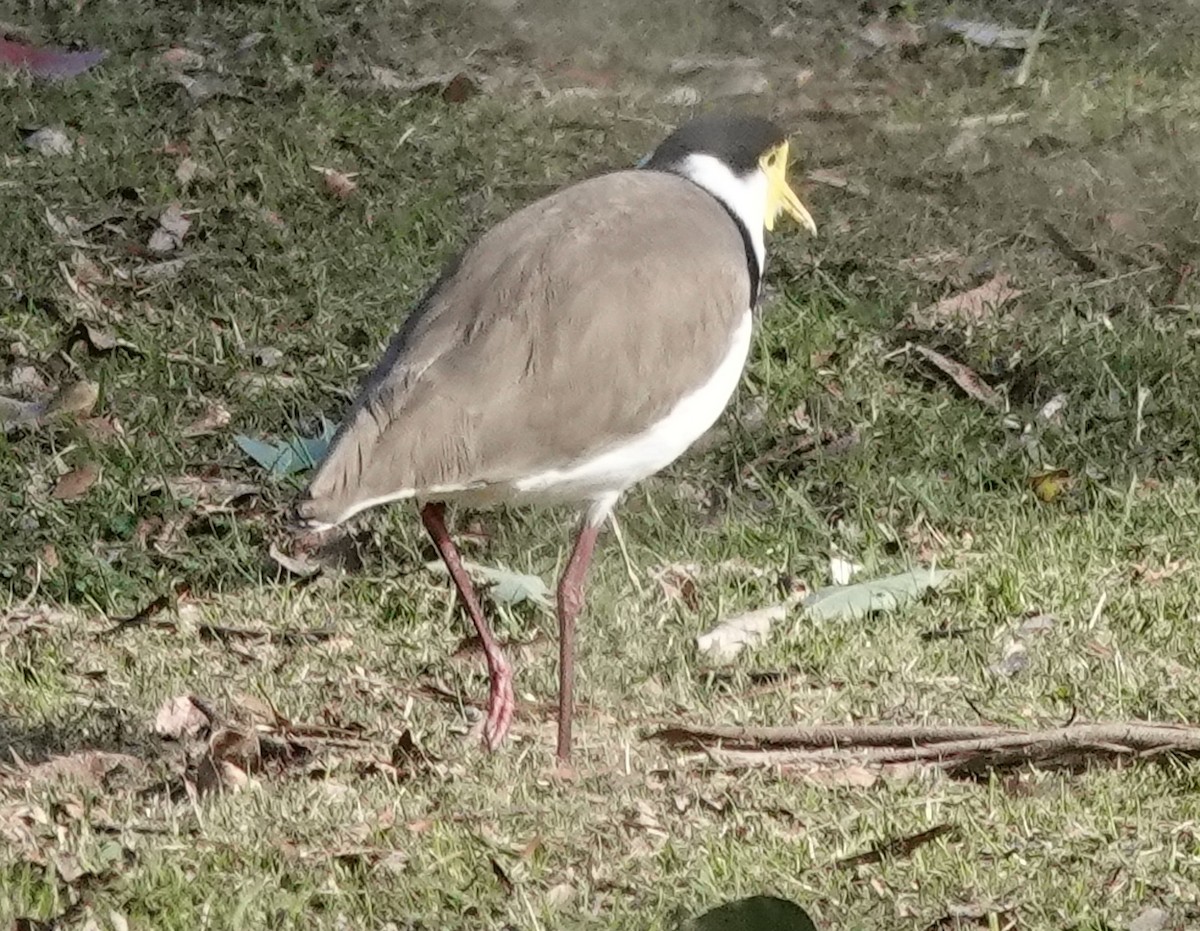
780 196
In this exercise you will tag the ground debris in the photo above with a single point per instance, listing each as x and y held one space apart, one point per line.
962 375
897 848
228 750
975 306
959 751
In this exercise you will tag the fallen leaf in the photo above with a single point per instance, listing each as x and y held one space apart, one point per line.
725 641
841 570
182 59
560 895
974 306
833 179
180 717
963 376
841 602
76 482
281 459
336 183
678 583
102 429
504 585
50 141
1052 409
186 171
214 419
297 566
207 85
159 271
99 341
1144 573
173 225
210 493
46 62
85 767
73 400
990 35
1049 485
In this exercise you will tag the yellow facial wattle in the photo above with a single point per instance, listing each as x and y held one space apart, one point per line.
780 196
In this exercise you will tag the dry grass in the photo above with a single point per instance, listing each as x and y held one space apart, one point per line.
366 833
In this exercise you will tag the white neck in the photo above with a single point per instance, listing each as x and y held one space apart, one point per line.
745 196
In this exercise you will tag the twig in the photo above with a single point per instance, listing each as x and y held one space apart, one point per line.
1031 48
833 736
959 750
1086 263
900 847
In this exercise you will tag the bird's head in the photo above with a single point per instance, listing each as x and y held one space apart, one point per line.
741 160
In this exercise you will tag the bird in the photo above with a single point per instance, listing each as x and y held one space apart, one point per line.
574 349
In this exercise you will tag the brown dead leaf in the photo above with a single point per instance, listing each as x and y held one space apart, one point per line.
182 59
678 583
214 419
336 183
1142 572
832 179
971 307
963 376
76 483
180 717
236 745
87 767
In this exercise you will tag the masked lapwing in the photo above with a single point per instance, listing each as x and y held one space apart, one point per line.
576 348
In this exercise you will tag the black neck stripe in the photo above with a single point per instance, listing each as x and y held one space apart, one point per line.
751 255
747 243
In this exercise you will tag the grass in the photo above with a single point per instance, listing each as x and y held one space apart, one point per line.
1105 152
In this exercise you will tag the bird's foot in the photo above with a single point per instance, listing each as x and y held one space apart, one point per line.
501 706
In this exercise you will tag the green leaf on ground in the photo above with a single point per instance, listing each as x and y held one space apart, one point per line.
837 602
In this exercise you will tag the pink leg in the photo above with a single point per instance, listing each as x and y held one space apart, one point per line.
501 700
570 602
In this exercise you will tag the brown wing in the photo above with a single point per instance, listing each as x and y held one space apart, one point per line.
586 315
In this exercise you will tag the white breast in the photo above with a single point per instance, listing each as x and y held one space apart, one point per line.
621 466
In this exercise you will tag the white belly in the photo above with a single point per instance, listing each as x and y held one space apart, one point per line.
618 467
